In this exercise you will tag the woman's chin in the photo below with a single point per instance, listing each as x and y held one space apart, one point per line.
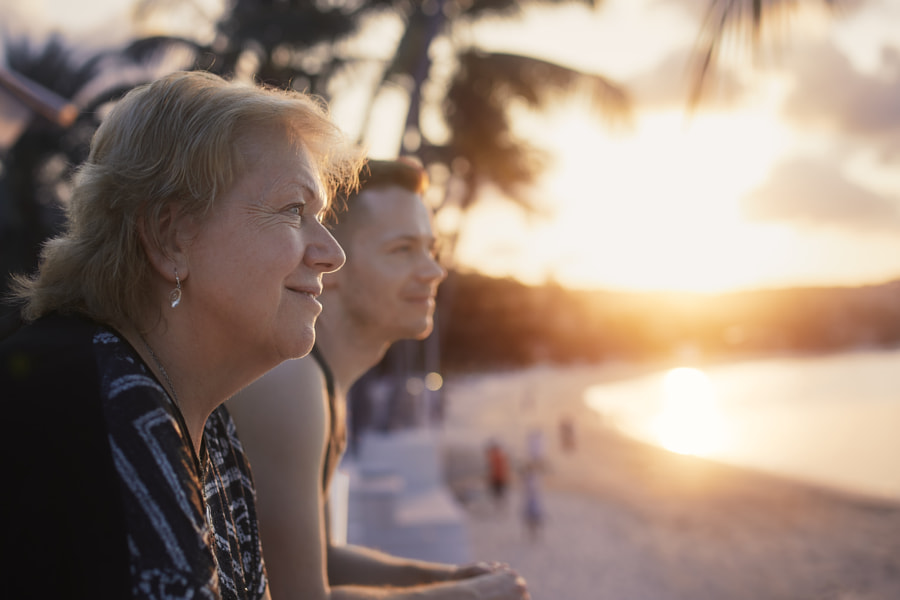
302 344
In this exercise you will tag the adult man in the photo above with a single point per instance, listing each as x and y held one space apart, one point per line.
292 424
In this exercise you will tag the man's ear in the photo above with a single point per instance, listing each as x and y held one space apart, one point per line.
166 242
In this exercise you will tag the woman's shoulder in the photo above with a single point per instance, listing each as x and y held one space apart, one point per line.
52 405
48 333
49 359
63 345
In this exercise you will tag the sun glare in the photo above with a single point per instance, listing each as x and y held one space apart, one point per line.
665 198
654 207
689 422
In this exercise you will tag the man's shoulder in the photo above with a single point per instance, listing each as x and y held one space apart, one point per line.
288 378
281 420
291 392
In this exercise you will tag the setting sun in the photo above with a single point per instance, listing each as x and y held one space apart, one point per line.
689 422
657 206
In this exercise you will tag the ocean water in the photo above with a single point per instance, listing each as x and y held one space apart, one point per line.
832 420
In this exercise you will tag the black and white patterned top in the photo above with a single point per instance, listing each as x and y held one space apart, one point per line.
190 525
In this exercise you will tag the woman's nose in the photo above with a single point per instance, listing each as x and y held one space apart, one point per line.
325 254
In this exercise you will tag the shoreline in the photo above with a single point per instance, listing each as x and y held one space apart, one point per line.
630 520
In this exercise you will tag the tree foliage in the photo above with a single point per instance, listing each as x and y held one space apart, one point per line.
504 324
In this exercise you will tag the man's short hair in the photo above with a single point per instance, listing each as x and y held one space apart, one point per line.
405 173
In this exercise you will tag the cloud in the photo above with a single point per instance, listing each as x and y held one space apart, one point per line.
830 93
814 193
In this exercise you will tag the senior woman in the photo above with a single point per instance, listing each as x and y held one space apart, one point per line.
191 263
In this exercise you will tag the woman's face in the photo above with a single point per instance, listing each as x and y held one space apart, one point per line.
256 263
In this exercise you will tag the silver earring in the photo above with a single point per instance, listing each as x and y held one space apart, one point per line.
175 295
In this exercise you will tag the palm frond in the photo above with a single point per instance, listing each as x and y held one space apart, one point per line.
539 82
477 112
117 71
744 18
507 8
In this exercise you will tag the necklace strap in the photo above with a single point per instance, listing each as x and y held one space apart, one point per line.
162 370
173 396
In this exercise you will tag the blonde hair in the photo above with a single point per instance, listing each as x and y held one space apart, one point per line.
175 141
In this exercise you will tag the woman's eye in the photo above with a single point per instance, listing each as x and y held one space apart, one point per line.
295 209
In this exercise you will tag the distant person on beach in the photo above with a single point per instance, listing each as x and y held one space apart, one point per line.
497 473
535 447
532 504
292 421
189 266
567 434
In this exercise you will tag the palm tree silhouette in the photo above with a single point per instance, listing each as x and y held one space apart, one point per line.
35 179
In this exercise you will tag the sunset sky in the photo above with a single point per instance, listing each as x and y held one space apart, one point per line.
788 174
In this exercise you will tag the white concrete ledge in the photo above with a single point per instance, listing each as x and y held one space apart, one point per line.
398 502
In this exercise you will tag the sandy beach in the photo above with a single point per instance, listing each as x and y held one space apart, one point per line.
629 521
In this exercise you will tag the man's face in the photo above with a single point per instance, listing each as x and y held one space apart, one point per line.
388 285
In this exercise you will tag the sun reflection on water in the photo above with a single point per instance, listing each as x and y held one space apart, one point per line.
689 421
830 419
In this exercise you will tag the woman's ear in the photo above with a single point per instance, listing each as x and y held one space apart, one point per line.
166 241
